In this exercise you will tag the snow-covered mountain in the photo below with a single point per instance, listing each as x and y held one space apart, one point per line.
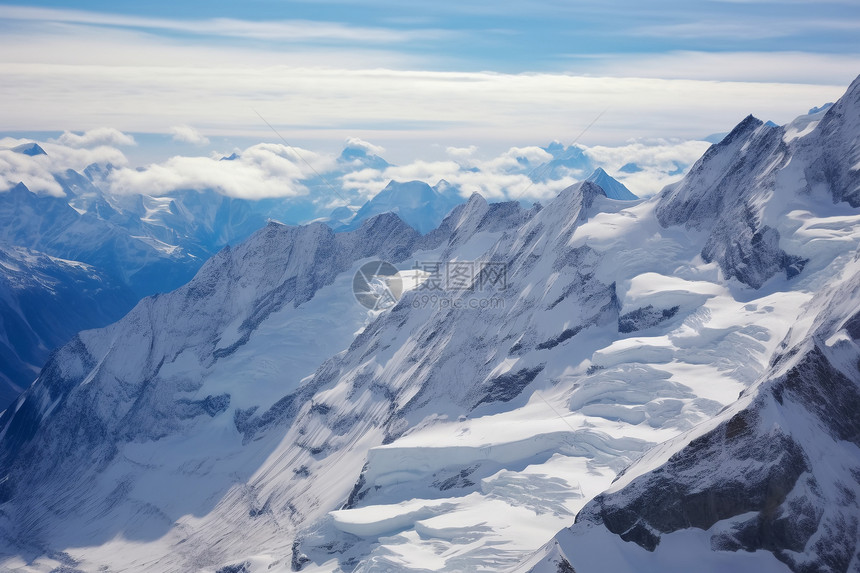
613 188
137 244
151 243
31 149
86 244
681 372
773 480
424 207
421 206
565 161
44 302
197 222
356 156
99 236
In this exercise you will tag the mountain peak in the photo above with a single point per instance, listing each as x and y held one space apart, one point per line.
612 188
475 208
554 148
20 189
821 108
31 149
443 187
855 86
749 124
476 198
421 206
357 151
97 171
578 198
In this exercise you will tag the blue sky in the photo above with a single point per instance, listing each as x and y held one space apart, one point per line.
416 76
501 35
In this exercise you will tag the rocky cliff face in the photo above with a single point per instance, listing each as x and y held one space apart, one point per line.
737 190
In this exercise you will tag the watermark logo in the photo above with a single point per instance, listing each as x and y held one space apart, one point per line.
377 285
442 302
476 276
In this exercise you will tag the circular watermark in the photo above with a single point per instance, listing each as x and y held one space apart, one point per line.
377 285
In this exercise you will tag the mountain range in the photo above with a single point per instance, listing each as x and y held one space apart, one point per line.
666 384
153 244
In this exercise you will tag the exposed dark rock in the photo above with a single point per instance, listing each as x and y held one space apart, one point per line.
236 568
508 386
827 393
457 481
760 470
358 490
211 405
645 317
681 494
299 559
566 334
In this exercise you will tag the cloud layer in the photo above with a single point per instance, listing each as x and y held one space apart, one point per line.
95 137
319 81
70 151
187 134
261 171
268 170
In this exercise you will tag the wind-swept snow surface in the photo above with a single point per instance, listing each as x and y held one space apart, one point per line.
680 372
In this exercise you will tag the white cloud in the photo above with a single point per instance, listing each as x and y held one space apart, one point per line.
33 172
276 170
62 157
357 143
187 134
736 30
368 182
658 153
284 30
36 172
261 171
757 68
461 154
503 176
138 82
497 178
95 137
659 162
476 108
531 154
